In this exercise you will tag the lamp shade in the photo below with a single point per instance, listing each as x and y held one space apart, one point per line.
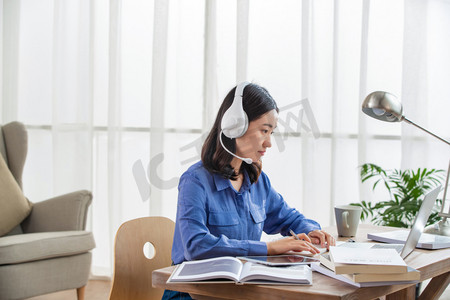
383 106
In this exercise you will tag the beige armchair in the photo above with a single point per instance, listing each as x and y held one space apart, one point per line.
49 250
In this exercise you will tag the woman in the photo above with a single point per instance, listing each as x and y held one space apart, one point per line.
225 201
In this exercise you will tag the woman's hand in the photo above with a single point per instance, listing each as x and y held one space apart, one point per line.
322 238
291 244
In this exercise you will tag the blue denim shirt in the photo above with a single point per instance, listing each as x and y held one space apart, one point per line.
213 219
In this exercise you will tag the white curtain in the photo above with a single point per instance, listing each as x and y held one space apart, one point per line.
118 95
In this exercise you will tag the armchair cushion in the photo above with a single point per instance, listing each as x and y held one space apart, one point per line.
14 207
23 248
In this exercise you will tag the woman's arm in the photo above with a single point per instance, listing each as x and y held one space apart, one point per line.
281 219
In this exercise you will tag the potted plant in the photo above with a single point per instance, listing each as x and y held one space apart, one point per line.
405 188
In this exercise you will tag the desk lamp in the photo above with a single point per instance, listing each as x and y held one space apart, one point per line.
385 107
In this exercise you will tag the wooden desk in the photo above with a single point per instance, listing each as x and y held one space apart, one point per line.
431 264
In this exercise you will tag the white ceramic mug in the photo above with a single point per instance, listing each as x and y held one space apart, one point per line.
347 219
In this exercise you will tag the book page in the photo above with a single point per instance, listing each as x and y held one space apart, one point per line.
299 274
366 256
214 268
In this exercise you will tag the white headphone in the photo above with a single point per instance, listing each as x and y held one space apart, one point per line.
235 121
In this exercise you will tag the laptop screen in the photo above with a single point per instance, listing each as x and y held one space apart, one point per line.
420 221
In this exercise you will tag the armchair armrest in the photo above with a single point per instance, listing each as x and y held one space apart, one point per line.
65 212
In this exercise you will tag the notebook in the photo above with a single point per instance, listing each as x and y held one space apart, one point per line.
414 234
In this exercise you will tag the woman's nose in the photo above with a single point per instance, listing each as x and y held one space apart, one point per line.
268 141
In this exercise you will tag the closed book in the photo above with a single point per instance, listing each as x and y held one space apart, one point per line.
337 268
426 240
343 260
347 279
412 274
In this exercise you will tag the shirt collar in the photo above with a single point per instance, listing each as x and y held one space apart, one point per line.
223 183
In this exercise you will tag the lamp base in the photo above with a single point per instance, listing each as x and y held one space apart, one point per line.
440 228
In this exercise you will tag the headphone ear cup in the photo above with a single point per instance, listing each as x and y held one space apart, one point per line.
235 121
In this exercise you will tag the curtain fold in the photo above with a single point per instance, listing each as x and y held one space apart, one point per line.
10 59
415 82
334 104
242 40
118 95
363 92
114 154
210 89
307 160
158 96
71 97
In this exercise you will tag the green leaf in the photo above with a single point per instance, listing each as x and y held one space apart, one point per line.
406 189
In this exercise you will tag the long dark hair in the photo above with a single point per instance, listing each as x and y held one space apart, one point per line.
256 102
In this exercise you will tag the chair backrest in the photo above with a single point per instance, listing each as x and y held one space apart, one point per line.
14 147
132 269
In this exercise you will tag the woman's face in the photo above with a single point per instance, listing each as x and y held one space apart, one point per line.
256 140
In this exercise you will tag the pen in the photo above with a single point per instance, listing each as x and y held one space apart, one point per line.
293 234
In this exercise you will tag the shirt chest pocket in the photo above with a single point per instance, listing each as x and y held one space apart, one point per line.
223 218
225 223
258 215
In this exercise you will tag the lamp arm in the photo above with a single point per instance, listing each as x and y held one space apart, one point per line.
429 132
442 214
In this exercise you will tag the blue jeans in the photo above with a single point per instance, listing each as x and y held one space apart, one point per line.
174 295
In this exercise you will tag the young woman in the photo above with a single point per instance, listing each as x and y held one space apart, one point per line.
225 201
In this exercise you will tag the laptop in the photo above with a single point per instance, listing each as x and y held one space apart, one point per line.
409 241
403 246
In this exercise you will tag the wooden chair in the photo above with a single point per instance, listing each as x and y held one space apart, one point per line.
132 269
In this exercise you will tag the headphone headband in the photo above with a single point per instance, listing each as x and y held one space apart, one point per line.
240 89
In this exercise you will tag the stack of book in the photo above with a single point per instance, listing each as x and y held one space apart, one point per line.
366 267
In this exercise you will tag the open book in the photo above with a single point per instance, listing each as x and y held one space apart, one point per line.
230 269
